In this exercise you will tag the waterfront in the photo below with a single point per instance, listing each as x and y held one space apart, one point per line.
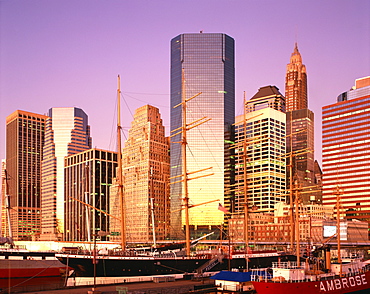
177 286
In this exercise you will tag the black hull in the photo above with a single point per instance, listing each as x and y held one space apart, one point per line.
121 267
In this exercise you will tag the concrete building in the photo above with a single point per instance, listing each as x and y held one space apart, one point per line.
88 178
263 132
296 83
66 133
24 150
146 172
300 130
346 151
202 62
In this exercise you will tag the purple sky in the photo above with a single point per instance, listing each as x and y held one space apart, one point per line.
69 53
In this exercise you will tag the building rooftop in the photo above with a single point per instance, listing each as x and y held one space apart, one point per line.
266 92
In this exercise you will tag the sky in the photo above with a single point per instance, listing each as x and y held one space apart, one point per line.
69 53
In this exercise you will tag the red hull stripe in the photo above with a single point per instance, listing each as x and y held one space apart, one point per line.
336 286
30 272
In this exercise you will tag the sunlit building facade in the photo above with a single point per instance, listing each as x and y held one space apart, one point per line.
66 133
300 149
346 151
3 224
202 62
146 173
296 82
300 130
24 149
88 178
262 136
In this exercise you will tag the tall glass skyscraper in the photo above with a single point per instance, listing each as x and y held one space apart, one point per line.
66 133
205 63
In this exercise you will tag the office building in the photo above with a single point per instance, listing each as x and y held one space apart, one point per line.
88 178
300 131
24 149
146 172
66 133
3 211
296 83
346 151
202 63
261 134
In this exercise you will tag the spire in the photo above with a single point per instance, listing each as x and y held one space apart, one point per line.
296 56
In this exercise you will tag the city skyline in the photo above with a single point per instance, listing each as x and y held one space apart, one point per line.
67 54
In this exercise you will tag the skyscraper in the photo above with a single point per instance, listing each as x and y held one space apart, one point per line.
66 133
24 144
296 83
88 178
202 62
346 151
146 172
262 135
300 128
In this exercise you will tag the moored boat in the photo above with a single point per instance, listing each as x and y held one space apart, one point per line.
288 278
344 276
131 263
19 263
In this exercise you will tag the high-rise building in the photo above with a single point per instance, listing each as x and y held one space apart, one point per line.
66 133
296 83
24 144
261 134
202 62
346 151
88 178
146 173
300 149
300 130
3 212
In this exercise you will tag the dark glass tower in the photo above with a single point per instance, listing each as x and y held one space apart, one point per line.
24 145
207 62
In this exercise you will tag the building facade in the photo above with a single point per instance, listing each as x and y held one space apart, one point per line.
202 63
300 130
146 172
300 150
346 151
296 83
24 150
66 133
88 178
261 134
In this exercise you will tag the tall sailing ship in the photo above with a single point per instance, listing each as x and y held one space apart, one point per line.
166 260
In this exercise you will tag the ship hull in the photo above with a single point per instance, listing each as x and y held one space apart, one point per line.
359 283
30 265
149 266
30 268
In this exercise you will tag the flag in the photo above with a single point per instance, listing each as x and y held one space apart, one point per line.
223 209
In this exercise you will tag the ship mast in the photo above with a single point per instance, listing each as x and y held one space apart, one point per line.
184 167
338 232
7 203
183 130
246 217
119 177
